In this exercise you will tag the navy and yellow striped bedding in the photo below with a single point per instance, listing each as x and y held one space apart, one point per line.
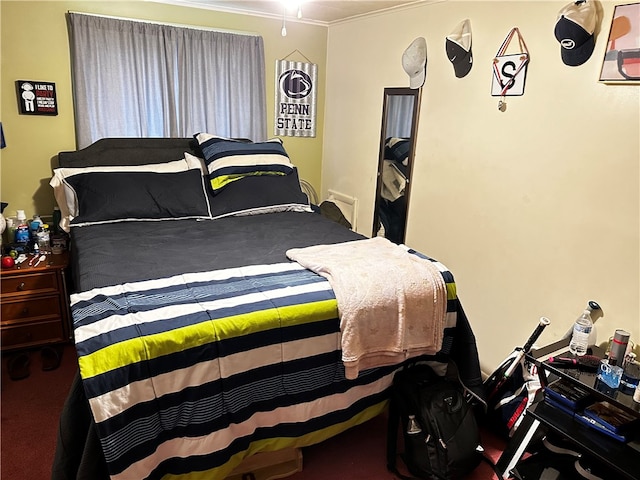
188 373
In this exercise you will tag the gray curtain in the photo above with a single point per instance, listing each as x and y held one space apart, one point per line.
140 79
399 116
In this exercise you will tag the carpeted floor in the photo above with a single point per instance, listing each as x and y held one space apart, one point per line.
360 454
30 410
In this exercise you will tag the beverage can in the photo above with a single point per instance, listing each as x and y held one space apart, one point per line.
618 348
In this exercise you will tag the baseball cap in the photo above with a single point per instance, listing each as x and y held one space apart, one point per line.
414 62
574 30
458 47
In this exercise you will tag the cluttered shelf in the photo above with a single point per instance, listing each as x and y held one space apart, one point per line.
620 457
587 403
589 378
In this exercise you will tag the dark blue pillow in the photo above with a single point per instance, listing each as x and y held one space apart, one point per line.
253 195
107 197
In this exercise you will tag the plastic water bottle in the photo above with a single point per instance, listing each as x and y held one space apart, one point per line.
581 331
44 239
593 307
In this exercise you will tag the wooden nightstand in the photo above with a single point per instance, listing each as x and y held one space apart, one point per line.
35 304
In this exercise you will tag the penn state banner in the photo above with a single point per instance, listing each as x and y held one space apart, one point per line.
296 96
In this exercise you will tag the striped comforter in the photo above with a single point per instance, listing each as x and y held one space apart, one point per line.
188 374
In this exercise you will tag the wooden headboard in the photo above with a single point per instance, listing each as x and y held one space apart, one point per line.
129 151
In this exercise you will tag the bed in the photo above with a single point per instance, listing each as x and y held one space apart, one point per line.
199 341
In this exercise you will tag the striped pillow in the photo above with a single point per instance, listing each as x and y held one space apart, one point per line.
228 160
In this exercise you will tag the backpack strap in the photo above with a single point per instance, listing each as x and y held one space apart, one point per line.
393 424
472 397
474 401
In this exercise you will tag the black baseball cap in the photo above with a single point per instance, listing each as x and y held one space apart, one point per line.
575 27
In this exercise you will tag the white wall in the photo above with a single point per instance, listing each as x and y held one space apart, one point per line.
535 210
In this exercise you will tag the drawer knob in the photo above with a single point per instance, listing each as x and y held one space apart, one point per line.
25 310
21 286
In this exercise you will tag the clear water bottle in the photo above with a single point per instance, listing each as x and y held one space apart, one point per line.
594 308
581 331
44 239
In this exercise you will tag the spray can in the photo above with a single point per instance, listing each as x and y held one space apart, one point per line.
619 347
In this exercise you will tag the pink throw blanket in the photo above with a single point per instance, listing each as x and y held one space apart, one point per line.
392 304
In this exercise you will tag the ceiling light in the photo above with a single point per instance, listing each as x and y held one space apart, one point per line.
283 32
290 5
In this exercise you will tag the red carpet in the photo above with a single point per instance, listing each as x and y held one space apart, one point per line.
30 410
360 454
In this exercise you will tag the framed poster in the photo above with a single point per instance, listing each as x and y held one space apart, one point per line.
621 63
36 98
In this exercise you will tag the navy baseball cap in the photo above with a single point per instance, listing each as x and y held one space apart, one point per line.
575 27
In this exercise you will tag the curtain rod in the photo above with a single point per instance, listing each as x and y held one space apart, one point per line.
179 25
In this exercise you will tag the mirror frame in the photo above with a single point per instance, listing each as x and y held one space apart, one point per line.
388 92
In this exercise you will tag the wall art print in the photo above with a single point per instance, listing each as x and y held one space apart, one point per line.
296 97
621 62
36 98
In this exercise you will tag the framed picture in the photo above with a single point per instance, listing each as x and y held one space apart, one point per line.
36 97
621 62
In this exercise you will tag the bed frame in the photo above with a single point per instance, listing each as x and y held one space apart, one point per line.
76 418
110 151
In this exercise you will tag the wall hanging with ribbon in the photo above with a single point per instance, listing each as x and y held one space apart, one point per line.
296 97
509 70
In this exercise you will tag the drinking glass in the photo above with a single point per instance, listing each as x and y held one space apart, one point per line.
630 377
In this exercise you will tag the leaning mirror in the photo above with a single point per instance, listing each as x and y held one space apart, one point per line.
400 110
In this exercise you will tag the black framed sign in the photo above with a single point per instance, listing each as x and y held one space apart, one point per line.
36 98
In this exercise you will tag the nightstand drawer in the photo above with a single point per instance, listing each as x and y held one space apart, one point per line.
39 333
30 283
35 304
31 309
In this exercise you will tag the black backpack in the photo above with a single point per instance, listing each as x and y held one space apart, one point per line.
439 428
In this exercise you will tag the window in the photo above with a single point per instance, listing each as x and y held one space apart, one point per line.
141 79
